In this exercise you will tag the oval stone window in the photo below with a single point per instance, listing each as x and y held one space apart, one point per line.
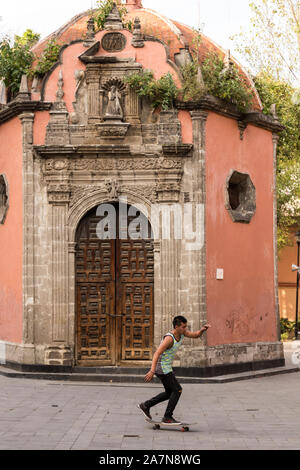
240 197
3 198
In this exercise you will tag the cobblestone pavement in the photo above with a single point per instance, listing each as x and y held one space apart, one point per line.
251 414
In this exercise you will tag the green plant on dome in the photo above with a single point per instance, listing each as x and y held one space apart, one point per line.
48 58
226 82
161 92
192 88
212 76
104 9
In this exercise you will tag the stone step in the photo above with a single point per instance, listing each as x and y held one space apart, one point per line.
139 378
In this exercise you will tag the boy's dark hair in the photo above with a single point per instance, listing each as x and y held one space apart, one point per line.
178 320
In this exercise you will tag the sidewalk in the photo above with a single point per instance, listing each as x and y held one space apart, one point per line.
262 413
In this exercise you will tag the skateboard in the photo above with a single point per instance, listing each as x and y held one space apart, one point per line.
184 427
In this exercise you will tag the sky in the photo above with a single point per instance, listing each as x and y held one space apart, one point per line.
218 19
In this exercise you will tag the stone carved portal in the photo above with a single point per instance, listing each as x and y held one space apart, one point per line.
114 293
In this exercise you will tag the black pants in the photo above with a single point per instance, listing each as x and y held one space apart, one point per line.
172 393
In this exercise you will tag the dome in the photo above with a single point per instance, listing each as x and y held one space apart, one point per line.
175 35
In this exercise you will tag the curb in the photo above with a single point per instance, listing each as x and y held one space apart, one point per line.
133 378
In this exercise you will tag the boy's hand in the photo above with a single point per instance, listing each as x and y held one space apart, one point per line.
205 327
149 376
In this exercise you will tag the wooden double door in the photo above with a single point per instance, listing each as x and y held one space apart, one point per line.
114 294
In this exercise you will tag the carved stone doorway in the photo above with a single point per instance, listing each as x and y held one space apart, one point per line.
114 292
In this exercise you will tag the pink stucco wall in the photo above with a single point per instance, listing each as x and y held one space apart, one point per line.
11 234
241 308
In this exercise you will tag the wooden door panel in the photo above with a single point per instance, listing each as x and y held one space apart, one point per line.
137 331
94 329
95 294
135 276
136 261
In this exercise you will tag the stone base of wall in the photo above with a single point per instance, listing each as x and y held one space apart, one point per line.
191 361
18 353
58 356
231 354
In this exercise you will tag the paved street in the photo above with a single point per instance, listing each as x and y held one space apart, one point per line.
251 414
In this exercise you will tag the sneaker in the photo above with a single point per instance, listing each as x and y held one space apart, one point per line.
171 421
145 411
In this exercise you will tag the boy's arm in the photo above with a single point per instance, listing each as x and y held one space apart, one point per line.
196 334
166 344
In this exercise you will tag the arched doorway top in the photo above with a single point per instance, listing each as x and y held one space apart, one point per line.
97 197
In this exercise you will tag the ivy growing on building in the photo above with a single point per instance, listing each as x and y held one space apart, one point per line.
161 92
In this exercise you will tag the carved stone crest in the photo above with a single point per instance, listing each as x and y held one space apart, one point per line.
113 42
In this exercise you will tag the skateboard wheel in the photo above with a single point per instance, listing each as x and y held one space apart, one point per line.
185 429
156 426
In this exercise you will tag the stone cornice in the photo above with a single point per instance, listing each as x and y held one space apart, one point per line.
179 150
211 103
15 108
263 120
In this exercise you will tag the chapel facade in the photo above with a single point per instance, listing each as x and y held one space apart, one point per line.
80 145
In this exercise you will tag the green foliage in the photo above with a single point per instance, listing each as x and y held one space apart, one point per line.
287 328
288 199
28 39
226 82
192 88
161 93
48 58
16 60
279 92
104 9
273 40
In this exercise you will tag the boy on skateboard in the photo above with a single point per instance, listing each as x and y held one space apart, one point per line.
162 368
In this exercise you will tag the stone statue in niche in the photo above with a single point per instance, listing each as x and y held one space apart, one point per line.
114 108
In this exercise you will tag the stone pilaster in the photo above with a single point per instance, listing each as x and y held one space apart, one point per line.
199 119
59 196
275 139
92 79
27 120
132 107
170 260
72 293
198 258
